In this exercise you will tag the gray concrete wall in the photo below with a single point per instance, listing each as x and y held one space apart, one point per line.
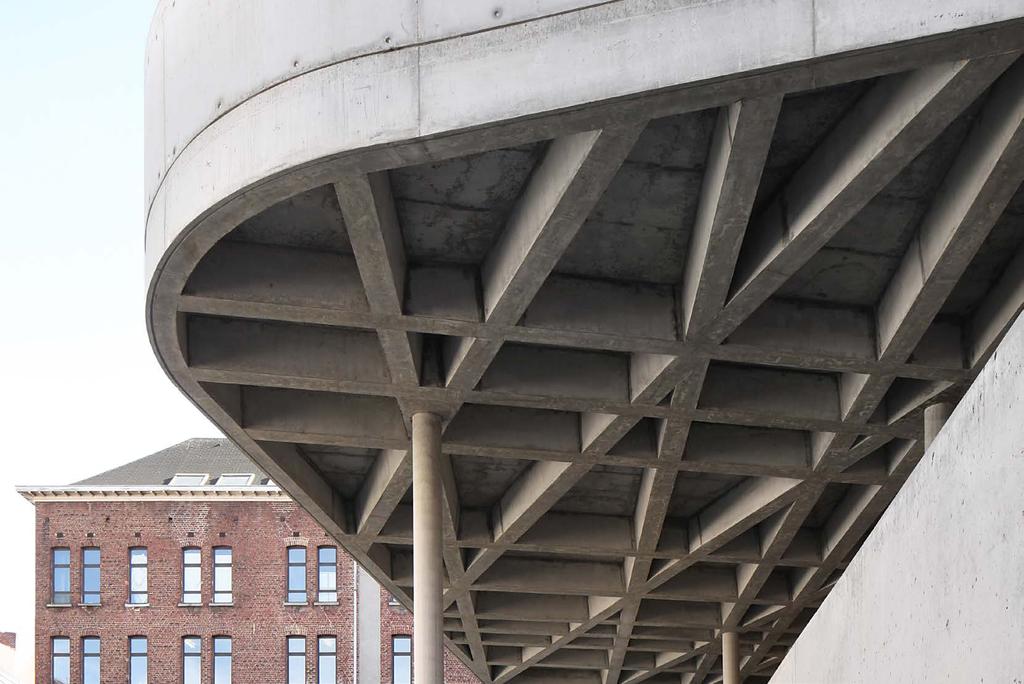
936 594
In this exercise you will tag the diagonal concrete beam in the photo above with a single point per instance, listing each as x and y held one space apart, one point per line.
453 560
996 313
739 147
559 196
667 661
703 668
529 497
557 200
843 531
979 185
321 498
376 238
881 134
776 535
656 486
735 512
738 510
387 482
374 232
537 489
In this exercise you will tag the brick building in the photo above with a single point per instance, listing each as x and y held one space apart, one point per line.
189 566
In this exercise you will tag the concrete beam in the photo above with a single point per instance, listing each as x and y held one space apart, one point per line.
996 313
389 479
971 466
292 290
376 238
739 148
967 205
885 130
558 198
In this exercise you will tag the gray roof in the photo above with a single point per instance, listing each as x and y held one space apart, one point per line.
196 455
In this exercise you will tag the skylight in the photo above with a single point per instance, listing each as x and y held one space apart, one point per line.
235 479
189 479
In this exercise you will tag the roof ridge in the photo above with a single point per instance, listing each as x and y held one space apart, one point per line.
213 456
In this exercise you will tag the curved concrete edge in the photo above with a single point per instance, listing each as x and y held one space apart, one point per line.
205 58
236 92
936 593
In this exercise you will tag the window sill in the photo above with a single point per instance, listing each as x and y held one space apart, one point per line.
326 603
190 605
296 603
60 605
89 605
136 605
221 605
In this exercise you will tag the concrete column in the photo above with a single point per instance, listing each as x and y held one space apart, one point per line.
367 632
935 416
427 653
730 658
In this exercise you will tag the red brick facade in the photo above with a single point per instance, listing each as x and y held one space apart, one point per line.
396 620
258 532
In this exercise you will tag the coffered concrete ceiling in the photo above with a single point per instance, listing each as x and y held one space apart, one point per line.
681 344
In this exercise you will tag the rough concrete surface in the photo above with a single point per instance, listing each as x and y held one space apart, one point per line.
936 594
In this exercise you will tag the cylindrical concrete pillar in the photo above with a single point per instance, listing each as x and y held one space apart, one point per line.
730 658
935 416
427 558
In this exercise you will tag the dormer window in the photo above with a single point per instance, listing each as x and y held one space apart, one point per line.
189 479
235 480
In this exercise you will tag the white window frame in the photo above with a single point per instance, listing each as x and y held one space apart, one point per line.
222 595
205 479
249 477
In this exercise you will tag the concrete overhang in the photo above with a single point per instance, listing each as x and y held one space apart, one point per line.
680 277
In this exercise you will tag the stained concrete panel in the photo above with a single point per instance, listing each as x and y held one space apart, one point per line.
310 220
937 592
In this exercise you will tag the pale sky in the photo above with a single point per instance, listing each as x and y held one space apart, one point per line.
82 391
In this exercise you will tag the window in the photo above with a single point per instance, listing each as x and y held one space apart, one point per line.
189 479
191 660
296 660
296 574
221 660
138 660
90 660
393 601
222 574
401 659
327 660
327 574
61 576
191 575
138 575
235 479
60 661
91 576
